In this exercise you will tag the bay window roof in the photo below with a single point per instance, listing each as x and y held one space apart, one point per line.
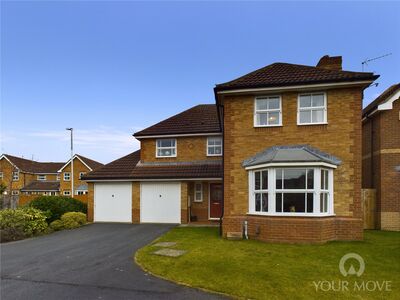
291 154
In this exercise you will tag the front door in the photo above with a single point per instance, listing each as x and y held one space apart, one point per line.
215 200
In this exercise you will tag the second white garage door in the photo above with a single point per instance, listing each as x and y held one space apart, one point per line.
113 202
160 202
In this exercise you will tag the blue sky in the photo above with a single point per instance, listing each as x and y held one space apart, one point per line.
109 69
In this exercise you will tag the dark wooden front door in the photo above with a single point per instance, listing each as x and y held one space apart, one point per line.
215 200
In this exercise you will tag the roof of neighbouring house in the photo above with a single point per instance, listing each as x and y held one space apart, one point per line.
285 74
129 167
92 164
291 154
41 186
381 98
198 119
82 187
31 166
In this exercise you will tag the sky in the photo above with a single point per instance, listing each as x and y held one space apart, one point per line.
108 69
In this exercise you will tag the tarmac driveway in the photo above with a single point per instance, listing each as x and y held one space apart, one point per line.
92 262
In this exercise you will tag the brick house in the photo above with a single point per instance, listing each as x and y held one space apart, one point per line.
28 178
291 165
381 156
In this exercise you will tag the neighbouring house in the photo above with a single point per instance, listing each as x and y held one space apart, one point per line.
290 169
28 179
381 156
80 165
17 173
176 177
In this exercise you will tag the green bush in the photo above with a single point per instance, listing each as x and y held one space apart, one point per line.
57 225
72 220
56 206
22 222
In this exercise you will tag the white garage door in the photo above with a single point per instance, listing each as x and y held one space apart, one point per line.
113 202
160 202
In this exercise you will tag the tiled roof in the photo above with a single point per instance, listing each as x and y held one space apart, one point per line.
381 98
284 74
198 119
290 154
90 162
31 166
117 169
42 186
129 167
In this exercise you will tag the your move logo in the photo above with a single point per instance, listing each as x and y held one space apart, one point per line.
352 265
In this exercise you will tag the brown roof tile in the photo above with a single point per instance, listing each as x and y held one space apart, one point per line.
90 162
284 74
198 119
381 98
30 166
42 186
129 167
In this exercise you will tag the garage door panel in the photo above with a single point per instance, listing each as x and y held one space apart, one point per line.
113 202
160 203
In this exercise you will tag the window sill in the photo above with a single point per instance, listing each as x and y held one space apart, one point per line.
302 215
266 126
166 156
308 124
197 201
214 155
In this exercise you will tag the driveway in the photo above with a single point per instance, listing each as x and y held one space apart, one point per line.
92 262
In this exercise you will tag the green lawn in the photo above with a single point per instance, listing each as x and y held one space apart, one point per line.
252 269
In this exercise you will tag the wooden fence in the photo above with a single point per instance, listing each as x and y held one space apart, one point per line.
368 201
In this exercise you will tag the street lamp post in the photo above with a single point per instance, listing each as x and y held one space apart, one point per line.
72 160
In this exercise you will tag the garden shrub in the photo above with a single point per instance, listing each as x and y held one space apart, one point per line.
57 225
22 222
72 220
56 206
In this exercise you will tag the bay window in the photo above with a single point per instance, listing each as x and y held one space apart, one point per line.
291 191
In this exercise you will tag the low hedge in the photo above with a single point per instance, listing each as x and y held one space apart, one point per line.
69 220
56 206
16 224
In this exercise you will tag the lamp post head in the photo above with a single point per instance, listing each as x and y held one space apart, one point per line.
70 129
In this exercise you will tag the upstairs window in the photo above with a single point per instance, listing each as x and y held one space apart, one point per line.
41 177
81 174
58 177
214 146
312 109
67 176
268 111
15 176
166 148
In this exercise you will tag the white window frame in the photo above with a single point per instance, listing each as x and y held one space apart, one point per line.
1 175
163 156
58 177
41 177
272 191
257 111
67 193
198 192
15 175
14 193
69 176
311 108
214 146
81 174
81 192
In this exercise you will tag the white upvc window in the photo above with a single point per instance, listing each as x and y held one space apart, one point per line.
58 177
166 148
41 177
67 193
214 146
267 111
1 175
198 192
291 191
14 192
81 192
312 109
15 175
81 174
67 176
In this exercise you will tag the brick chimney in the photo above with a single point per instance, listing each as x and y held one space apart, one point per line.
330 63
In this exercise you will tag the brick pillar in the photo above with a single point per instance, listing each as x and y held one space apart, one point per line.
90 202
184 202
136 202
